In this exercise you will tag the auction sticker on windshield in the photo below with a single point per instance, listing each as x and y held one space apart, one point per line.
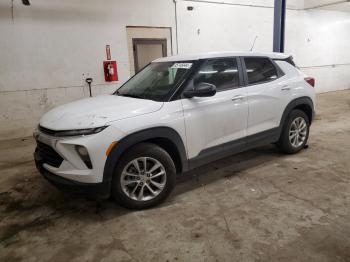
182 65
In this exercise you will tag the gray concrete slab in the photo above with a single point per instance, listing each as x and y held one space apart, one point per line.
256 206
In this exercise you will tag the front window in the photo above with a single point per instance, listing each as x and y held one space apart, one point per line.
221 72
156 81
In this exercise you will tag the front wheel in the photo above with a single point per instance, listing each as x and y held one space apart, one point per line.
144 177
295 132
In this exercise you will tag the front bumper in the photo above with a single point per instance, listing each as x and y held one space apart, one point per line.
58 161
90 190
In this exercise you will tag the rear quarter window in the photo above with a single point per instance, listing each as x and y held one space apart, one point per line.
260 70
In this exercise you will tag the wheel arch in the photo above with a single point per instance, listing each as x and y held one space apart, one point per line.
304 104
165 137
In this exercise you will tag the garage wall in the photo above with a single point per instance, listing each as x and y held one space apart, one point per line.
50 47
318 39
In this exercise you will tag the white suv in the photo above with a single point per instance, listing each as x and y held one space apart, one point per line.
176 114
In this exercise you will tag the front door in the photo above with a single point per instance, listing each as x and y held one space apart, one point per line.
146 50
214 121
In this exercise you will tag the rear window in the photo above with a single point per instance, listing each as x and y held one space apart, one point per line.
260 70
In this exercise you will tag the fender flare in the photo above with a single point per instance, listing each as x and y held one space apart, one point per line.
138 137
304 100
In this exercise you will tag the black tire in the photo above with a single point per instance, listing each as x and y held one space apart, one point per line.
144 150
284 143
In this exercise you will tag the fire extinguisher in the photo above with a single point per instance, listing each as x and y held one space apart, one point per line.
110 71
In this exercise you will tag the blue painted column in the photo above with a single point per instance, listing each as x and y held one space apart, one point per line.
279 25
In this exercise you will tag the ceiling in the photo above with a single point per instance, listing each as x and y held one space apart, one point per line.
336 5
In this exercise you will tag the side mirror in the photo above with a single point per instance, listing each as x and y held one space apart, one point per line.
201 90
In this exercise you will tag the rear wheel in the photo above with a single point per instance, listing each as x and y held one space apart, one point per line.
144 177
295 132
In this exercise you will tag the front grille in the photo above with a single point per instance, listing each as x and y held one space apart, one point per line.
48 155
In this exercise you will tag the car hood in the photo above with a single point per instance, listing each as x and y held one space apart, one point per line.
96 111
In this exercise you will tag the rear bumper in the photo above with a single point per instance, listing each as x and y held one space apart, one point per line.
90 190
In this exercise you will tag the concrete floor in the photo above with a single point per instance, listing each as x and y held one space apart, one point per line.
256 206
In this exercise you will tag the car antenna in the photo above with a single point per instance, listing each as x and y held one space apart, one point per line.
251 49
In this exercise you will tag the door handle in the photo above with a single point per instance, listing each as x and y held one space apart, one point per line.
286 87
237 97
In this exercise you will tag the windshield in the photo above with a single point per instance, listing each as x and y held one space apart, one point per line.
155 81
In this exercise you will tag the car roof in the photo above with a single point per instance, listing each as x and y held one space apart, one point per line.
187 57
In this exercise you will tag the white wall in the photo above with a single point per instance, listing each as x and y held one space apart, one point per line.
315 3
49 48
318 39
291 4
211 27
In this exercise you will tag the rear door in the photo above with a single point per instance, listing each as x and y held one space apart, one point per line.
213 121
268 93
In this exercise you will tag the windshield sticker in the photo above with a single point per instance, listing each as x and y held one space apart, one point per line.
182 65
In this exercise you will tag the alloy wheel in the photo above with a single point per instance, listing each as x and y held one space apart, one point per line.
143 178
298 132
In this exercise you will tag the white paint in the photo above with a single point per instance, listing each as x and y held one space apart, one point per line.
316 38
212 121
96 111
200 122
317 3
291 4
50 47
343 7
204 55
319 40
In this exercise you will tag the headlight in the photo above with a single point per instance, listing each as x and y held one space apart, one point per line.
75 132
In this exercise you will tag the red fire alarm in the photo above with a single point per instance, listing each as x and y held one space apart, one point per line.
110 70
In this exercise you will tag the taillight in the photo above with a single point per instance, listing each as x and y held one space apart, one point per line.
310 81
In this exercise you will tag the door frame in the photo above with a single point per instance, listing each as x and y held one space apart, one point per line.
147 41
